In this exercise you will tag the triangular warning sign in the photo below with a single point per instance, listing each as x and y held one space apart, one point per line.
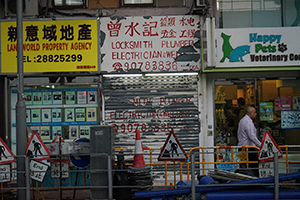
172 150
54 148
6 156
268 148
57 138
36 148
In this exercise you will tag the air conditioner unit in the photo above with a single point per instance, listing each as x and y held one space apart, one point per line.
201 3
30 8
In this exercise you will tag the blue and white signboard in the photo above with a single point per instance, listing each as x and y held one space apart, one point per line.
257 47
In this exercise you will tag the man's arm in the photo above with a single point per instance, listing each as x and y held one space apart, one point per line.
252 135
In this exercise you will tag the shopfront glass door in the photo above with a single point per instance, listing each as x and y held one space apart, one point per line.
277 102
232 97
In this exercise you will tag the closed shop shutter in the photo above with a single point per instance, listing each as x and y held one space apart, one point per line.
154 105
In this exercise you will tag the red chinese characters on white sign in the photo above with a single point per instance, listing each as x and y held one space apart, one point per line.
151 44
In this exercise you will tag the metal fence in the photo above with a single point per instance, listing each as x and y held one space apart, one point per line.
119 178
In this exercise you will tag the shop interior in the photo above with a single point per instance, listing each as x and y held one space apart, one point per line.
277 102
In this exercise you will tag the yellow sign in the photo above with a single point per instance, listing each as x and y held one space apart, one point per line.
51 46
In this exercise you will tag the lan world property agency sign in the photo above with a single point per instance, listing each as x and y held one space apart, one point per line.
257 47
51 46
150 44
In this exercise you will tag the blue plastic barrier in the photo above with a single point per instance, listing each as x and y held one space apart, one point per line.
210 188
250 195
207 180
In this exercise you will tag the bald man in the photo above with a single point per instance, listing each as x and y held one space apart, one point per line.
247 136
246 130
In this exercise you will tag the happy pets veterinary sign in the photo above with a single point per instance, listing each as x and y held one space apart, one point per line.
257 47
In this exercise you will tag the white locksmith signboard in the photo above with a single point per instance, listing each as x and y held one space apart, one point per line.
150 44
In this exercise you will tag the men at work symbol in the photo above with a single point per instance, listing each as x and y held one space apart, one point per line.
173 150
36 149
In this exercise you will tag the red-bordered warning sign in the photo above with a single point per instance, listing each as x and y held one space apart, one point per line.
36 148
6 156
172 150
268 148
57 138
54 149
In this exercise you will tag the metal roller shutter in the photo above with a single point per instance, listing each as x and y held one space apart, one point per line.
154 105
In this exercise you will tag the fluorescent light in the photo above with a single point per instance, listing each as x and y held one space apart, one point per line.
223 83
171 74
151 74
120 75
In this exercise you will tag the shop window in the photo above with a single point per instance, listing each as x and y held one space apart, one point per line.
291 13
103 4
244 13
61 110
137 2
162 3
277 104
67 4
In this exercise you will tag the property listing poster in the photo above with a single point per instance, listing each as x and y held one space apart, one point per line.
84 132
28 98
56 130
28 116
70 97
69 115
81 97
92 96
46 115
57 97
56 115
47 98
35 115
73 131
266 111
37 98
45 132
91 114
80 114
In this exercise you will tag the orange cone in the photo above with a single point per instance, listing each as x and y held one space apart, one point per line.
138 161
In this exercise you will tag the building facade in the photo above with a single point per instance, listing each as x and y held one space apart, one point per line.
257 64
155 66
131 64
